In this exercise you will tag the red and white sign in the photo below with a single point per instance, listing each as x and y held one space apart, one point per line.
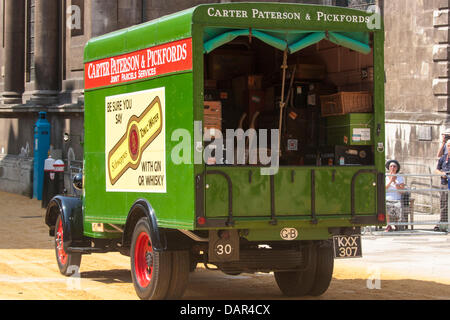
155 61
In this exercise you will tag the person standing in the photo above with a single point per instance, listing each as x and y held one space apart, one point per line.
445 136
443 167
393 196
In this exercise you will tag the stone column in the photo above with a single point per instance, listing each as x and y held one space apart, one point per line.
129 13
104 17
46 52
14 51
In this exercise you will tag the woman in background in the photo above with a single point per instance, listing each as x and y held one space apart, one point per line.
393 196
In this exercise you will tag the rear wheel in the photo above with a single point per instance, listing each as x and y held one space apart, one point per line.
324 270
68 263
180 274
156 274
299 283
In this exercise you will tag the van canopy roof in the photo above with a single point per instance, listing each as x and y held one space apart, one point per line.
292 40
283 26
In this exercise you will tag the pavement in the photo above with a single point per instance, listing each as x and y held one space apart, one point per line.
415 254
413 264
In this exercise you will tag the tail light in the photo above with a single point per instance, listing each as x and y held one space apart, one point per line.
201 220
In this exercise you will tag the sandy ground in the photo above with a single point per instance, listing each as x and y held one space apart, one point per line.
407 267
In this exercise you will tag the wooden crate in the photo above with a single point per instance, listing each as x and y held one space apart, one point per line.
346 102
212 115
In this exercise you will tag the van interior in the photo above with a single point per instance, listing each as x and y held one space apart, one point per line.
318 93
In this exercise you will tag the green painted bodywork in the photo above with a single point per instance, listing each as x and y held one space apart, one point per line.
184 104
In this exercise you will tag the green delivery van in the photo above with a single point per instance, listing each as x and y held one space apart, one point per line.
205 142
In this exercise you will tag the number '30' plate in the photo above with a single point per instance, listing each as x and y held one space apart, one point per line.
347 247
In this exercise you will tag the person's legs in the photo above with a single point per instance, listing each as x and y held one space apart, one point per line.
393 213
444 208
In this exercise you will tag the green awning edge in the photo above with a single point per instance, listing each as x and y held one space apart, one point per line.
350 43
270 40
307 41
312 38
222 39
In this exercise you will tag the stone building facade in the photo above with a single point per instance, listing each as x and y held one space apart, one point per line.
41 69
417 81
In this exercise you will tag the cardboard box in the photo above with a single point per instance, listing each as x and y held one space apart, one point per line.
249 82
352 77
228 64
269 100
310 72
254 82
210 84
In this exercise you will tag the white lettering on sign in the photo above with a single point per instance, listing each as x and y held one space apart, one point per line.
162 59
285 15
347 242
227 13
321 16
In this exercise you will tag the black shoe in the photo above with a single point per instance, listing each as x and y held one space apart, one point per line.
437 229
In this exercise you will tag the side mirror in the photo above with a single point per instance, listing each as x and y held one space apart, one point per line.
68 136
78 182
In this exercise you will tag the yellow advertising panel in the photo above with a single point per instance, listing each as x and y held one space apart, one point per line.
135 141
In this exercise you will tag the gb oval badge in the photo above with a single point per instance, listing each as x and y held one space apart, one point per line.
289 234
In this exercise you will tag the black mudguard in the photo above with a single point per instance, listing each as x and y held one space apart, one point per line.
70 209
139 209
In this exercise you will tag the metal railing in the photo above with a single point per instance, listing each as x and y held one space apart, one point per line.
404 208
415 181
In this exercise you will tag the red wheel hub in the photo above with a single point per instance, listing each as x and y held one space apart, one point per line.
62 255
143 259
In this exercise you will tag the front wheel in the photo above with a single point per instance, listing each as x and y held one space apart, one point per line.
156 274
68 263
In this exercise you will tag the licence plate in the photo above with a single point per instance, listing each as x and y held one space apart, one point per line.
347 247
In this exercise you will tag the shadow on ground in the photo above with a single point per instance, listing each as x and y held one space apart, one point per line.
108 276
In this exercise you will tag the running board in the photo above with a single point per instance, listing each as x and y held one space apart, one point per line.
86 250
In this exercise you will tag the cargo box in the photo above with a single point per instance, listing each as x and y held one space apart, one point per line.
350 129
310 72
226 64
